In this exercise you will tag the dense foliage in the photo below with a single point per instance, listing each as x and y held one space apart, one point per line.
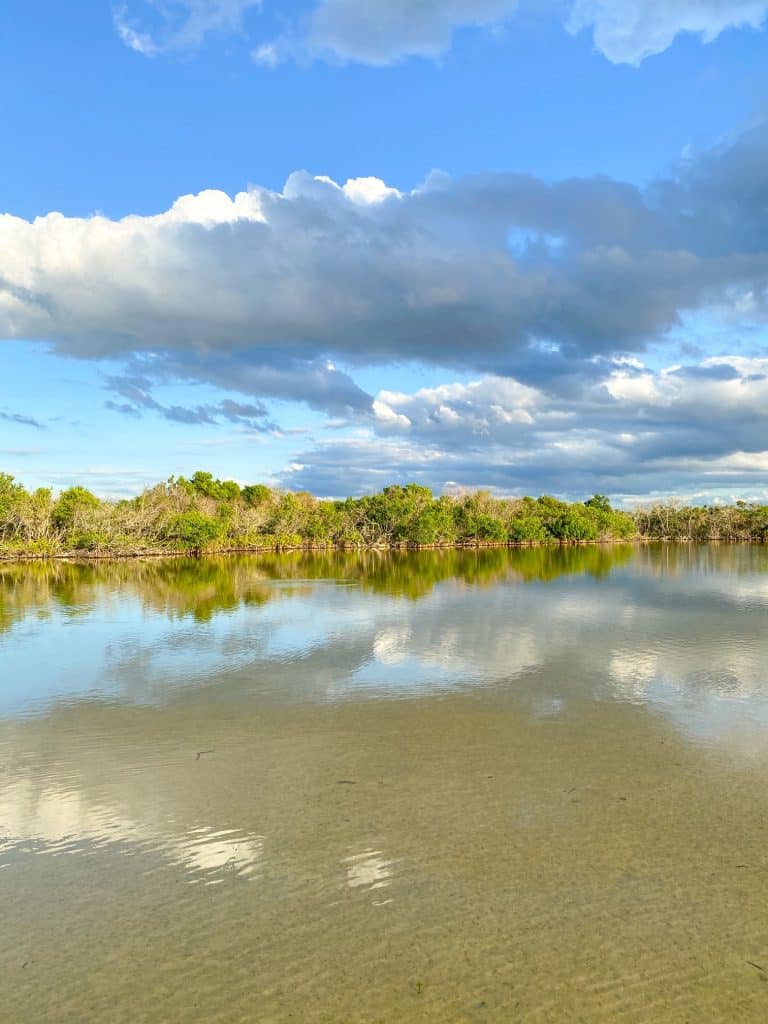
205 514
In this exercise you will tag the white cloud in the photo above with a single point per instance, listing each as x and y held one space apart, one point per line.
628 31
634 387
153 28
475 409
268 55
368 190
386 414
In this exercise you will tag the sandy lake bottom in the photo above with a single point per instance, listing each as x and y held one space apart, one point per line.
461 786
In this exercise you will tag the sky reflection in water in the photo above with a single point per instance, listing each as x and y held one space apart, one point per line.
678 629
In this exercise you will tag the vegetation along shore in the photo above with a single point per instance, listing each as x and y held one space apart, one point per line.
204 514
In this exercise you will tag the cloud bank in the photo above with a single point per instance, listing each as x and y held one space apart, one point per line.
503 273
698 429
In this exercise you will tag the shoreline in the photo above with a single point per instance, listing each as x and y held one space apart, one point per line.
158 553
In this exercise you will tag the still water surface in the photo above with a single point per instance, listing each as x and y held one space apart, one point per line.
459 786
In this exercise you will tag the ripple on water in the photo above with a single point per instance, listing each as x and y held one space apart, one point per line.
54 822
369 871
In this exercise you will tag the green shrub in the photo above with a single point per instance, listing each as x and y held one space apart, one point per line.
193 530
488 528
573 524
88 540
526 529
289 540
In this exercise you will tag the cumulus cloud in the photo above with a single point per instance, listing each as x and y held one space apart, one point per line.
153 27
505 273
628 31
631 430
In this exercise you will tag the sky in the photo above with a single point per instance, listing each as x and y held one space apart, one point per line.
336 244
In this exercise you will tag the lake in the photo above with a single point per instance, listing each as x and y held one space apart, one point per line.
377 787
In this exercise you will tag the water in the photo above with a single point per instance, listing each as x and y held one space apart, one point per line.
461 786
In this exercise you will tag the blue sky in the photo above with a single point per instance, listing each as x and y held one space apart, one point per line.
476 243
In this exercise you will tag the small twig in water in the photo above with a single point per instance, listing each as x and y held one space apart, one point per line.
753 964
200 753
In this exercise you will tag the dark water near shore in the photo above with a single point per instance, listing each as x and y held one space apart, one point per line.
442 786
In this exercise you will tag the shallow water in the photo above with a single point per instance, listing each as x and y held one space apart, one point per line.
459 786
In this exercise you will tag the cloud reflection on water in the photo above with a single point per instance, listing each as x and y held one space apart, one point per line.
56 820
676 629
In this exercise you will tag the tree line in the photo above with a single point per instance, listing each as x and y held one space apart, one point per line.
203 513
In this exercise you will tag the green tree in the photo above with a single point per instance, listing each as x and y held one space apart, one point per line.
12 496
573 523
598 502
256 495
71 502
